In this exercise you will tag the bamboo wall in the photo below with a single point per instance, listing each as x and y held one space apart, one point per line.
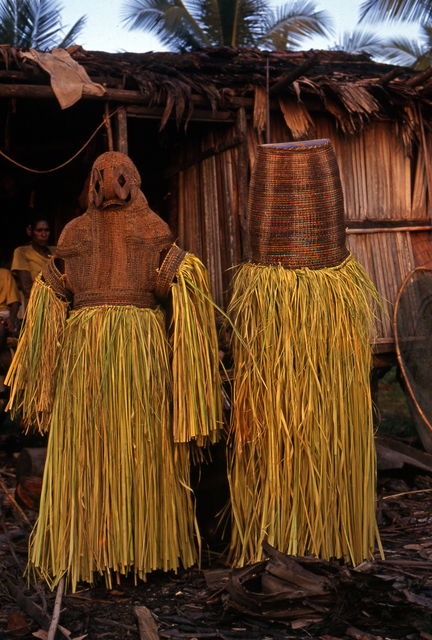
380 182
208 210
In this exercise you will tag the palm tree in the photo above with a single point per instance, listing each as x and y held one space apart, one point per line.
36 24
190 24
403 51
359 41
410 53
406 10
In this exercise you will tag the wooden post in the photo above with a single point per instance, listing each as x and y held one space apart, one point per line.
426 161
267 128
243 181
107 121
122 141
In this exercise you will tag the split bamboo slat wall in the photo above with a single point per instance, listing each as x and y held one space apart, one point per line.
208 211
380 182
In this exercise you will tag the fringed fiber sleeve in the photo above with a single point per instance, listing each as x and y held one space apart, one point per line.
32 373
197 400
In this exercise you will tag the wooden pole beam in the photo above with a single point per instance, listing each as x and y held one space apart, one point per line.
293 75
242 169
198 114
388 230
419 79
121 130
107 121
388 77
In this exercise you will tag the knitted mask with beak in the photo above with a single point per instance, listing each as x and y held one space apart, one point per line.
114 181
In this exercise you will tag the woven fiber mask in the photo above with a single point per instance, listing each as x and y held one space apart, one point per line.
114 180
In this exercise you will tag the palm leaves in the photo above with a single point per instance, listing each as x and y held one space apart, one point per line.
360 41
250 23
406 10
35 23
411 53
403 51
289 25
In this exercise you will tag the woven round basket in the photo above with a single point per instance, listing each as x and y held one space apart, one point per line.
296 206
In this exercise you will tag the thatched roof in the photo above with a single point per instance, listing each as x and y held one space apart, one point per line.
351 87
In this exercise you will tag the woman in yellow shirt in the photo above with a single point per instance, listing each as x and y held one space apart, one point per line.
30 259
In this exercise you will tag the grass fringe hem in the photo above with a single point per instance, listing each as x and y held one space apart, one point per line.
116 495
301 449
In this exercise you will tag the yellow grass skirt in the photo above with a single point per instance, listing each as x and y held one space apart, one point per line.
115 492
301 449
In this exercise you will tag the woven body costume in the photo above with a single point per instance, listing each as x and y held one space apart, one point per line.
301 455
96 367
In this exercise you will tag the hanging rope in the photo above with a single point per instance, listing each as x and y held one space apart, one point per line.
104 122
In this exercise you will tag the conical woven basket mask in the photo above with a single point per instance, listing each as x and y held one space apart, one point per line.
114 180
296 207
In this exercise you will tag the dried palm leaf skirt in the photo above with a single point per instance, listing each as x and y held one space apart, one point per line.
115 492
301 454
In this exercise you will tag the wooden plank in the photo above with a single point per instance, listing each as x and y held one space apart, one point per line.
418 205
122 139
211 219
201 115
233 256
388 229
401 454
146 624
107 121
233 141
181 211
243 181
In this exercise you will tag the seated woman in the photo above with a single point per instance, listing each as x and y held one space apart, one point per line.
9 305
30 259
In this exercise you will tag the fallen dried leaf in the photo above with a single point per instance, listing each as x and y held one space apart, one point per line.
17 625
421 600
360 635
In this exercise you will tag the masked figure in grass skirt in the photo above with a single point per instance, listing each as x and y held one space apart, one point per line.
302 458
120 395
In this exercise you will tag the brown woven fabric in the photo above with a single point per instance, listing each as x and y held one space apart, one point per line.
114 180
56 280
167 272
112 252
296 207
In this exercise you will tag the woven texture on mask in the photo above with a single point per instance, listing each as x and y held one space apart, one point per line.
112 253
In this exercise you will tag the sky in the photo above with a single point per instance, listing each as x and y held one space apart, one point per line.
105 31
